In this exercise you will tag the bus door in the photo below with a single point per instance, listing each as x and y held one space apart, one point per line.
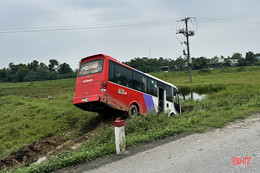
176 101
161 100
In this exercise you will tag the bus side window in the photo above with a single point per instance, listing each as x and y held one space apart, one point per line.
176 101
176 97
139 82
144 82
118 78
169 96
111 71
152 87
123 76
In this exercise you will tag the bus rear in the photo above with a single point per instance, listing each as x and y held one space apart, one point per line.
91 83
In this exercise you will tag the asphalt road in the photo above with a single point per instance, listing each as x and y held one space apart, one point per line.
208 152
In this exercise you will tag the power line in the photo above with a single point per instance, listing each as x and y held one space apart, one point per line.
68 28
224 20
126 24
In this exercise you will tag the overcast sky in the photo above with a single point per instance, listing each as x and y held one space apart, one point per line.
68 30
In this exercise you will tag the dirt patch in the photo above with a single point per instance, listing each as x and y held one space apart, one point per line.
49 147
28 154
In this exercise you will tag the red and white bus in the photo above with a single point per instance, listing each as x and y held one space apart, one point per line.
104 84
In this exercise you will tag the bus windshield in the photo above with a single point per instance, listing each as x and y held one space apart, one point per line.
91 67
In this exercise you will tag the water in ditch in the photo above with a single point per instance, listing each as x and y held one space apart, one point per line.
193 96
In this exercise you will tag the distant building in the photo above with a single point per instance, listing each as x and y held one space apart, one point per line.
216 62
233 62
219 60
165 68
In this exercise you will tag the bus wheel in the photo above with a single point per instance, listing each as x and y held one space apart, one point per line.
133 111
172 114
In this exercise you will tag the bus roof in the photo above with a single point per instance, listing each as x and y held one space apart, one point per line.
113 59
104 55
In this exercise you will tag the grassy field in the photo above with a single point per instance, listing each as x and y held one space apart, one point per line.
36 110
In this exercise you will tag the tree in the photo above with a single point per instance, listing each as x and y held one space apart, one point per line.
250 58
21 73
36 76
180 63
64 68
150 64
10 73
2 74
13 68
42 67
143 64
53 64
236 56
36 71
33 65
242 62
199 63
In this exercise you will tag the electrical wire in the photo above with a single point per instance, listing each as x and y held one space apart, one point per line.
68 28
126 24
222 20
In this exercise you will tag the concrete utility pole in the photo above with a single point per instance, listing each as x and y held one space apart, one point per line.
186 32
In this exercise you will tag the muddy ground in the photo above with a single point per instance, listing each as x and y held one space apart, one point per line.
49 147
28 154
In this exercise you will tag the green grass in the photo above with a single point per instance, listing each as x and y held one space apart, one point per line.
232 94
36 110
249 75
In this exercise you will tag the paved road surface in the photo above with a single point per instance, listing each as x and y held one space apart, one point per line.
208 152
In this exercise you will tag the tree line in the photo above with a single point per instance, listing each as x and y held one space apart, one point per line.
147 65
36 71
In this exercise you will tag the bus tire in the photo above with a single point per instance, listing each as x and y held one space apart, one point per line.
172 114
133 111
